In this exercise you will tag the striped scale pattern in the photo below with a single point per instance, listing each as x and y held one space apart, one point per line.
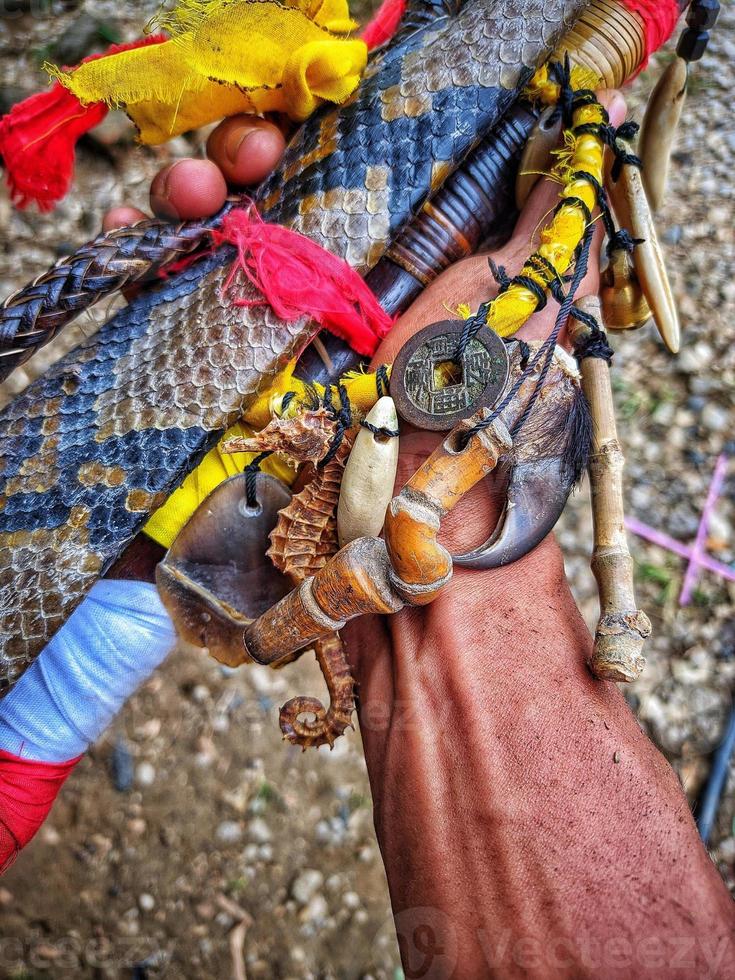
90 449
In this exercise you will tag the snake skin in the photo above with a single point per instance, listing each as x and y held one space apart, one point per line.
88 451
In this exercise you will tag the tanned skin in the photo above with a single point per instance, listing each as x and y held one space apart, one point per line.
527 825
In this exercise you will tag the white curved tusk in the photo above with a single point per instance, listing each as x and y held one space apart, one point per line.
634 213
658 130
367 484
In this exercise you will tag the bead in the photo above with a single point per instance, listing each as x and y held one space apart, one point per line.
703 14
692 44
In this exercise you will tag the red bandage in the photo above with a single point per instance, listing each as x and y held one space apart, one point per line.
384 24
38 138
659 17
299 278
27 793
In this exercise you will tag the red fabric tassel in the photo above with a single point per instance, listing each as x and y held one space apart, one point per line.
27 793
299 278
39 135
384 24
659 18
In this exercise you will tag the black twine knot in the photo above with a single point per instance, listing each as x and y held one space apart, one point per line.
286 400
594 343
342 416
251 474
562 75
381 380
622 240
626 131
380 430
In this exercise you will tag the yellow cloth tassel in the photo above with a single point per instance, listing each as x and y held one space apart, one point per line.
225 57
165 524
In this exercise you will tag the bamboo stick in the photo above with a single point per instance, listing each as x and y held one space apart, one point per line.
622 628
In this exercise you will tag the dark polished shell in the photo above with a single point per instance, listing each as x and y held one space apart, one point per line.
216 578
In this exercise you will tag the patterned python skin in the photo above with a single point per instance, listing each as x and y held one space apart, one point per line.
92 448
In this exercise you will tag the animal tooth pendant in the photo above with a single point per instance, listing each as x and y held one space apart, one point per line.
658 130
624 306
367 484
633 212
537 157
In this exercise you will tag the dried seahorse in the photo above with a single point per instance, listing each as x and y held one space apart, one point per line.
303 438
303 540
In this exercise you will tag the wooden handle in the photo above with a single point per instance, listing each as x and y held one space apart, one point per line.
421 566
622 628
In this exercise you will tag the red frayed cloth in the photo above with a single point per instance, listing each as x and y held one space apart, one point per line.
659 18
38 138
27 793
299 278
384 24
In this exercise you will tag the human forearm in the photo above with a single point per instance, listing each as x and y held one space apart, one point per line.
517 797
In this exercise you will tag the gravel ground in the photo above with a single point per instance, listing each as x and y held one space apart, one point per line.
217 821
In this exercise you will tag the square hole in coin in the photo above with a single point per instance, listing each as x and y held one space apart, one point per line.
446 373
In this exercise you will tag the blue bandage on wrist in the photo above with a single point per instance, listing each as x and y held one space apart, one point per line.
105 650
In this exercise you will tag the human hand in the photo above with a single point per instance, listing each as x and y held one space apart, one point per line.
498 602
520 810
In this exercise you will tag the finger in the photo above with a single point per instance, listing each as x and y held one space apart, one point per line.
188 189
122 217
246 149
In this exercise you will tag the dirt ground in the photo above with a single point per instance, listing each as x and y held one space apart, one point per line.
191 817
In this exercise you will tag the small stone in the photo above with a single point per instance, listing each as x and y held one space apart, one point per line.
664 413
317 910
259 831
146 902
137 826
351 900
200 693
47 952
6 898
694 359
715 418
306 885
145 774
228 832
50 835
672 235
121 766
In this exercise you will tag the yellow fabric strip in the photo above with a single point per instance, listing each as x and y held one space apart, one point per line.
225 57
561 237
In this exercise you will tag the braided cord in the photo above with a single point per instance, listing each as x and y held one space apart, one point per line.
34 315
